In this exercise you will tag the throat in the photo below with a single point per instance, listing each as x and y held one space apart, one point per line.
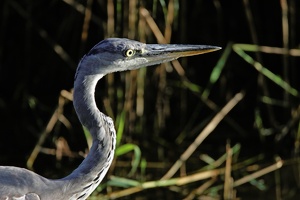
84 100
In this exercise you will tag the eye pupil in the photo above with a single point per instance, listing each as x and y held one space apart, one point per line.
129 52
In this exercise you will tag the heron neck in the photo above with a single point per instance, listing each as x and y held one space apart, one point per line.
84 100
94 167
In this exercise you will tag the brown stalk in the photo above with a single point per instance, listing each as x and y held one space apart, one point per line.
56 116
203 134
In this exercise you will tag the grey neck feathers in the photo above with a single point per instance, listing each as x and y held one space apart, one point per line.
94 167
84 100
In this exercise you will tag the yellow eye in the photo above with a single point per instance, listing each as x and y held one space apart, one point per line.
129 53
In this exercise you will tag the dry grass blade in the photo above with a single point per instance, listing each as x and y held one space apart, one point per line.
169 21
110 18
86 21
259 173
153 26
201 189
268 49
228 183
164 183
206 131
267 73
161 39
57 116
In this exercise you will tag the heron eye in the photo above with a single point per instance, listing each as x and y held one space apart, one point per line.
129 53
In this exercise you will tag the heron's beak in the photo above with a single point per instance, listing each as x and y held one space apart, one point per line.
158 53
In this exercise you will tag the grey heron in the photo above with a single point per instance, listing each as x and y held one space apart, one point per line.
108 56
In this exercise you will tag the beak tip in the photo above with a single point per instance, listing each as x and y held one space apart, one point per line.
212 49
216 48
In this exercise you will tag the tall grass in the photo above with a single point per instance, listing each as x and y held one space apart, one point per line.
180 134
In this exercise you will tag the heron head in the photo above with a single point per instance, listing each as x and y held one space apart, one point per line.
120 54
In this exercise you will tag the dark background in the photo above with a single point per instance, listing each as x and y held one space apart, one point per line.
32 74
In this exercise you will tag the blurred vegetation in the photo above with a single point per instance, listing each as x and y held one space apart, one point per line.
223 125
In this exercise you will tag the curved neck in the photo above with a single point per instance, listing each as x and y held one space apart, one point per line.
92 170
84 100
